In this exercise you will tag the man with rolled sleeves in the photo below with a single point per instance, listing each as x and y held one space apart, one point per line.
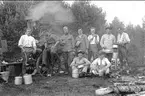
107 41
82 42
27 43
67 41
93 44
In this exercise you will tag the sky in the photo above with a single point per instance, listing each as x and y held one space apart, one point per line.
127 11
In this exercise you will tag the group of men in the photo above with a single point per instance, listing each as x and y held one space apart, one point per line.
87 44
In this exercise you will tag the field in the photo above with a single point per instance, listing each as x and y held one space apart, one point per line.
55 86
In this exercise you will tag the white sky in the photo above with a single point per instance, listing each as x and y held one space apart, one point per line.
126 11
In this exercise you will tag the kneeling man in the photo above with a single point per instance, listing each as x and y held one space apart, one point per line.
100 66
80 63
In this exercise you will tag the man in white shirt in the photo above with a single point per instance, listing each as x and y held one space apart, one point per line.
100 65
107 42
107 39
122 40
27 42
122 37
93 42
80 63
28 45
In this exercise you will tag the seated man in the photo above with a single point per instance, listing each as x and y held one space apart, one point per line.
80 62
101 65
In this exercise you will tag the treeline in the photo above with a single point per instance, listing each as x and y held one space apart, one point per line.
13 24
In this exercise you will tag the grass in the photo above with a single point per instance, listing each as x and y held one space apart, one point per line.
54 86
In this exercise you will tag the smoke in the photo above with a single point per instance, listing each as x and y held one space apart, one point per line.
51 12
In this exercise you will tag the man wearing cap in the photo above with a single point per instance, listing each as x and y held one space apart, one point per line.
107 39
123 39
27 43
67 41
93 42
107 42
100 66
80 62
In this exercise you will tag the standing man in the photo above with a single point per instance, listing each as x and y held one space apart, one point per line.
48 53
67 41
122 40
93 42
27 43
82 42
107 42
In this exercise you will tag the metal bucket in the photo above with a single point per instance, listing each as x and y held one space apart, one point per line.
75 73
18 80
115 55
27 79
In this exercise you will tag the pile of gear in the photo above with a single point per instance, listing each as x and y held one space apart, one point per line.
126 85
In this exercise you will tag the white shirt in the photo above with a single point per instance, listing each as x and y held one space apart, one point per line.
123 38
107 41
82 61
27 41
93 41
101 63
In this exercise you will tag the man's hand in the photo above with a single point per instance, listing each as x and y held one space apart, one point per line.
73 65
96 41
100 71
104 47
73 50
70 65
22 49
103 69
52 47
92 38
87 51
34 51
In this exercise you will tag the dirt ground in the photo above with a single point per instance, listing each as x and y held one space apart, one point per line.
55 86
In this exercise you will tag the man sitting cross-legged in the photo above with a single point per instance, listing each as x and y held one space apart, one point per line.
80 63
100 66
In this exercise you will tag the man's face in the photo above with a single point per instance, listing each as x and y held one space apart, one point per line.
92 30
119 30
48 36
80 55
102 56
80 31
108 31
29 32
65 29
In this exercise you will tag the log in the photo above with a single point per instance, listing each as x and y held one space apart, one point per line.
138 94
129 88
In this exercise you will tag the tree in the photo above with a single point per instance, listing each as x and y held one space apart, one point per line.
136 49
131 31
12 21
116 23
86 16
